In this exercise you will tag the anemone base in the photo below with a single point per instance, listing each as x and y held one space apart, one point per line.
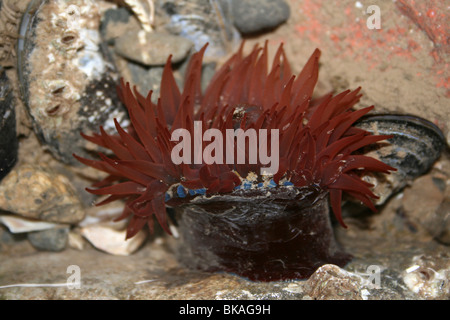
276 236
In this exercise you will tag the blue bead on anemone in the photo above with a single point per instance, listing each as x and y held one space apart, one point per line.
282 223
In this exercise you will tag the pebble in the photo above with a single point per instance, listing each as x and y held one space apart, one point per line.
8 137
37 192
202 21
16 224
113 241
50 240
152 48
253 16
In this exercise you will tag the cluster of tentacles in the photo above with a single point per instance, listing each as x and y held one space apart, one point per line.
316 138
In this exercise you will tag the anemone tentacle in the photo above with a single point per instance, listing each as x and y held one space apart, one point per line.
316 138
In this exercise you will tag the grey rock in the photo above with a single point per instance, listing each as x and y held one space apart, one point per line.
416 142
8 138
152 49
252 16
50 240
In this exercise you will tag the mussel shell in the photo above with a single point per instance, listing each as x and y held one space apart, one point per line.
416 143
8 137
67 79
262 238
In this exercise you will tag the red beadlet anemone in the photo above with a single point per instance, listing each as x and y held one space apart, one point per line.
316 138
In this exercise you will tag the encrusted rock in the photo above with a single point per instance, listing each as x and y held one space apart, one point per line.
50 240
252 16
152 48
13 242
38 193
330 282
17 224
